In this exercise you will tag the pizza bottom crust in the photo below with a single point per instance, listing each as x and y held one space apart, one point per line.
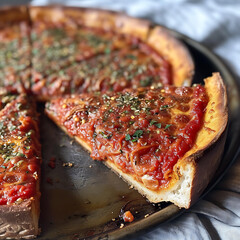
20 221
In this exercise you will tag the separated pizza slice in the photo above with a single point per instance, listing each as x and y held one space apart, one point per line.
73 47
166 142
20 159
15 52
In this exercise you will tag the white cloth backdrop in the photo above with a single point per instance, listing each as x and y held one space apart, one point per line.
216 24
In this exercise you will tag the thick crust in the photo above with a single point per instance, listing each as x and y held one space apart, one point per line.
93 18
20 220
13 15
49 14
175 53
132 26
209 146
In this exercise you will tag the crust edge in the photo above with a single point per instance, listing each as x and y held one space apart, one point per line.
175 52
13 15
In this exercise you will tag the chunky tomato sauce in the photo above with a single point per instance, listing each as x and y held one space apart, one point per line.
144 132
20 157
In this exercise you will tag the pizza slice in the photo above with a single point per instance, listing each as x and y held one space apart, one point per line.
71 50
162 141
15 50
20 159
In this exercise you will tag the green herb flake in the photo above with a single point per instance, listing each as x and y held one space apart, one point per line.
107 136
29 133
127 137
3 167
167 126
107 51
131 56
163 107
153 122
146 82
158 125
137 134
12 128
20 154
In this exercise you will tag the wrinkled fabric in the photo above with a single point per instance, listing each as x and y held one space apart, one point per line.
215 24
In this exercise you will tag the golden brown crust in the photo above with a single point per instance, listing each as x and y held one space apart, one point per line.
13 14
207 151
93 18
50 14
135 27
216 115
175 53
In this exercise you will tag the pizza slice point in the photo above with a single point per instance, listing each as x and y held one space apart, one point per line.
20 159
15 50
162 141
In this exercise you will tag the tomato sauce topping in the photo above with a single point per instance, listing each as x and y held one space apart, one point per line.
144 131
20 153
79 59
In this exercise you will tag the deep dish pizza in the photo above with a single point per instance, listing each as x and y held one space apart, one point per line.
121 87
